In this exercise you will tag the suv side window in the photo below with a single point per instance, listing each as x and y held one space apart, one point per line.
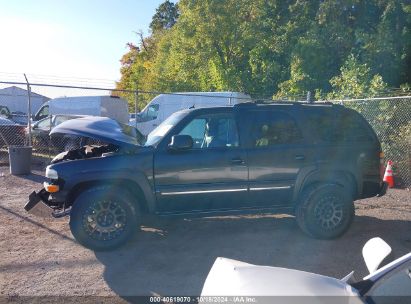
212 131
271 128
351 128
338 127
321 123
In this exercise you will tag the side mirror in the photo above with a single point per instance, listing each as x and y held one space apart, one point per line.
181 142
374 252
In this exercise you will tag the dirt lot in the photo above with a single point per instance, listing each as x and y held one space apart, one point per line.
173 256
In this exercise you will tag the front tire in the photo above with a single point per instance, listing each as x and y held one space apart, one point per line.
103 219
325 211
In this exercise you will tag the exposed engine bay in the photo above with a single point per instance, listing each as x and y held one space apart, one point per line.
85 152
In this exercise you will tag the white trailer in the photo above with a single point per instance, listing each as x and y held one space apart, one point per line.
105 106
163 105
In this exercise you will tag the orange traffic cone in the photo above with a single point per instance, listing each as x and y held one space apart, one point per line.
388 177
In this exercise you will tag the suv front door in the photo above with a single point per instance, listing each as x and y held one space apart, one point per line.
212 175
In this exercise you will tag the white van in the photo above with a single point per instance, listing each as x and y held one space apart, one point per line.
106 106
163 105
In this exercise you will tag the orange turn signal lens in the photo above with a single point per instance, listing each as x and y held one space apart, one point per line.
51 188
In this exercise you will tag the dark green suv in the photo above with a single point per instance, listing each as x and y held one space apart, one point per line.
313 160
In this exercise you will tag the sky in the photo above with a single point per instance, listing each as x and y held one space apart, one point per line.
75 38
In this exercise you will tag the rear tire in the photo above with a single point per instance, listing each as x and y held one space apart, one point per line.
103 218
325 211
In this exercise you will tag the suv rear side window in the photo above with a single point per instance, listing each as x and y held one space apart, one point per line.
341 126
321 123
350 127
271 128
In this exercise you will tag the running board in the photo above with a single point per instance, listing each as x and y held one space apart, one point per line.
201 213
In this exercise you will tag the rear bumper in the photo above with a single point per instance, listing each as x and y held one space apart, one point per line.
383 189
373 188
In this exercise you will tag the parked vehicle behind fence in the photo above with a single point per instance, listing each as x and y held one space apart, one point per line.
4 112
41 133
163 105
11 133
18 117
106 106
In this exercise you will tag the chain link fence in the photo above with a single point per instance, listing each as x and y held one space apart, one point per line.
390 118
16 128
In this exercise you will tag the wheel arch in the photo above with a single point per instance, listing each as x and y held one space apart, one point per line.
338 177
145 200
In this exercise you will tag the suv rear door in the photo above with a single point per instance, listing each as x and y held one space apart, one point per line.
275 154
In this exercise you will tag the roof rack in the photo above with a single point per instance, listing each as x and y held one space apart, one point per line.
281 102
265 101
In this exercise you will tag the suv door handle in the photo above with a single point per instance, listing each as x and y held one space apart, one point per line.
299 157
237 161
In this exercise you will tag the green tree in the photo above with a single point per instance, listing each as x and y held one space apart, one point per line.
274 47
136 69
297 84
386 45
165 17
208 48
356 81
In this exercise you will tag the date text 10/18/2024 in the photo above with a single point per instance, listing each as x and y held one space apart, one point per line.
205 299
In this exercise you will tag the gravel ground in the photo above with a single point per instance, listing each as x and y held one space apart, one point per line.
39 257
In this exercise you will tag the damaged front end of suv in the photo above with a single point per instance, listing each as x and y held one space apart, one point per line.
119 140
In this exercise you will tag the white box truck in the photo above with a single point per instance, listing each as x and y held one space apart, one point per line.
107 106
163 105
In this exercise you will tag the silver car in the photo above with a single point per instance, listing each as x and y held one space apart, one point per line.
234 281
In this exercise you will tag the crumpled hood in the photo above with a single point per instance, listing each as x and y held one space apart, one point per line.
102 128
234 278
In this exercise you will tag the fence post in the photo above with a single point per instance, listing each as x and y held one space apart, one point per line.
28 109
136 105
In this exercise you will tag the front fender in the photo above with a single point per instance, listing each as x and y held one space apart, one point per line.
114 170
116 179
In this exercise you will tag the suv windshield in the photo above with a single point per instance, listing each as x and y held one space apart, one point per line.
158 133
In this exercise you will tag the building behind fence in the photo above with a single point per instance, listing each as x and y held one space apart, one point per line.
390 117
